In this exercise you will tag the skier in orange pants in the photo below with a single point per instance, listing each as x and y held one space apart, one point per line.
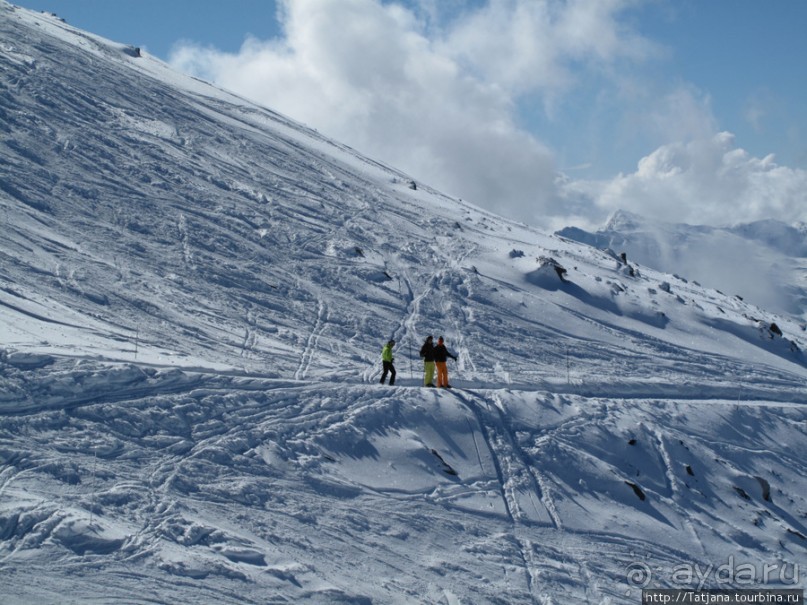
441 356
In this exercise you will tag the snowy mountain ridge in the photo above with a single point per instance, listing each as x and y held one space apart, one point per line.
194 292
765 262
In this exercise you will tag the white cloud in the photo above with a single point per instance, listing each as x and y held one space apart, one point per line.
707 181
528 45
436 100
683 114
702 178
434 90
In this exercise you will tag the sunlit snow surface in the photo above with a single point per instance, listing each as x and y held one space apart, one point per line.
194 292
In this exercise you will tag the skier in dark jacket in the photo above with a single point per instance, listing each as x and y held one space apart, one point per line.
427 353
441 356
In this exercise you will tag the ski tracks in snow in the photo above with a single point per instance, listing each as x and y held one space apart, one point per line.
312 343
548 547
525 493
250 334
448 287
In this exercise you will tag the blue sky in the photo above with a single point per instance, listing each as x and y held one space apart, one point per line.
492 99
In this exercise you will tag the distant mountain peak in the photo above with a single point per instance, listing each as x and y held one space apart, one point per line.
624 220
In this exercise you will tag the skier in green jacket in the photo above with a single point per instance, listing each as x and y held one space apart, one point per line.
387 359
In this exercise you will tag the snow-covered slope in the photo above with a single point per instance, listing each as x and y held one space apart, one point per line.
764 262
194 292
